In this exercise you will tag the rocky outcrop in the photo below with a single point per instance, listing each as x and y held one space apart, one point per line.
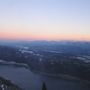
7 85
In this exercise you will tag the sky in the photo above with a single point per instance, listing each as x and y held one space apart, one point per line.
45 19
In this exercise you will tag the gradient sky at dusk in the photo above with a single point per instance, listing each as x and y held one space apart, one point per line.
45 19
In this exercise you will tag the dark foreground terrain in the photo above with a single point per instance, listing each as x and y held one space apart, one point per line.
7 85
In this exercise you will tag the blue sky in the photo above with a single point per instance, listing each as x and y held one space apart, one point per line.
45 19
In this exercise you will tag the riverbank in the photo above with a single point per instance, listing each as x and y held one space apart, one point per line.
63 76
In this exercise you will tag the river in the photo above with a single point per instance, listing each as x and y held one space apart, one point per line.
28 80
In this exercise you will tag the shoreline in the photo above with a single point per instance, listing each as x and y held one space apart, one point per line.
63 76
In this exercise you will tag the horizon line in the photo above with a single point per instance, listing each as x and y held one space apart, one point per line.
67 40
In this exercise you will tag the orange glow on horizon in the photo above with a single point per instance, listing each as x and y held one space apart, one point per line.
30 36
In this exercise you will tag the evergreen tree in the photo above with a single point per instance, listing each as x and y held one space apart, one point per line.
44 86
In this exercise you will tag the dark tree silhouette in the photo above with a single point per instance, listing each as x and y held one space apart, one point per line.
44 86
